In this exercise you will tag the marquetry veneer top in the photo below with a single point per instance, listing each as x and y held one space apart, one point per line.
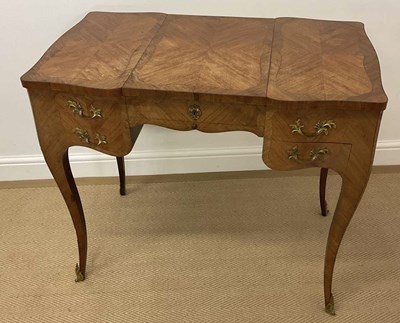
249 59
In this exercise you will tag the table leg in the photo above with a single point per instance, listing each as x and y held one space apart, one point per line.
354 182
58 162
54 142
135 132
322 190
121 172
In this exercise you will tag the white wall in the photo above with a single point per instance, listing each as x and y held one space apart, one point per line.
29 27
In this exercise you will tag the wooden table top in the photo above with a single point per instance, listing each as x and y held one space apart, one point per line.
252 60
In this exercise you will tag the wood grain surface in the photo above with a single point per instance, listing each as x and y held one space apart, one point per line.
196 57
97 55
209 55
329 62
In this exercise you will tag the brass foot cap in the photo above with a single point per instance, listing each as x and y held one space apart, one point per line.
79 275
330 307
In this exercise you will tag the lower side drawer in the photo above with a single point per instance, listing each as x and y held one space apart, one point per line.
281 155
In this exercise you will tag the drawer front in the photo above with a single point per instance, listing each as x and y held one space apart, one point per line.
280 155
309 125
97 122
204 116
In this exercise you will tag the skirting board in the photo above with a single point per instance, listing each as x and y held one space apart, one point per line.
163 162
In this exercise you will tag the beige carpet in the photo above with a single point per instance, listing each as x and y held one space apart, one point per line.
212 250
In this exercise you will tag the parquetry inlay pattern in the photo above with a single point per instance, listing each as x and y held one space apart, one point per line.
317 60
207 55
284 59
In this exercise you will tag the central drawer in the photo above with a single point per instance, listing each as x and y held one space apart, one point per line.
181 114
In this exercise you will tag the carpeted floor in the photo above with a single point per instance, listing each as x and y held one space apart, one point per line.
223 250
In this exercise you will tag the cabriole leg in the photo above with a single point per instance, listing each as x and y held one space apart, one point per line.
354 182
121 172
58 163
55 152
322 190
135 132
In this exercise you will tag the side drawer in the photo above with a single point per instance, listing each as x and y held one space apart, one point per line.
309 125
100 123
280 155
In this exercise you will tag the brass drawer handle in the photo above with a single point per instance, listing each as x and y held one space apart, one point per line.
77 108
320 127
194 111
85 137
315 154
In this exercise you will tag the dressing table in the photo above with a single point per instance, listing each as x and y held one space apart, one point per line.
310 88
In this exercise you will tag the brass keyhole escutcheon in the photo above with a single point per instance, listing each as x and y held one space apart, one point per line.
194 111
